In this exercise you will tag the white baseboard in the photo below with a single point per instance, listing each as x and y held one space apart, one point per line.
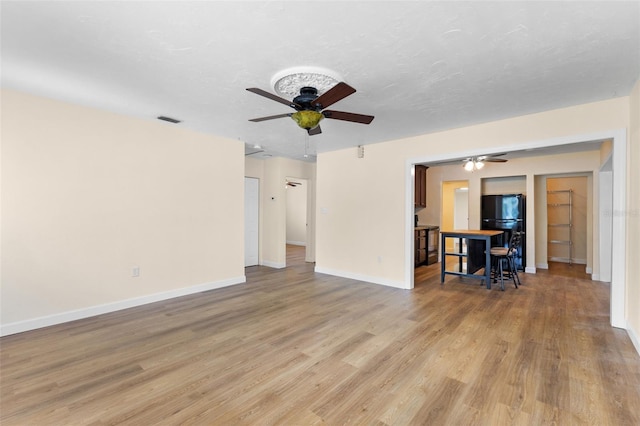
271 264
530 270
91 311
361 277
297 243
542 265
634 338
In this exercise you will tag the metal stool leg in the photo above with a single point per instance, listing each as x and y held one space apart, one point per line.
513 271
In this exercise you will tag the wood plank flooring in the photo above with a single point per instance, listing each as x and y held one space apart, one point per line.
293 347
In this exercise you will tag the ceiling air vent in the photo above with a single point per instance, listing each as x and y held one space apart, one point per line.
169 119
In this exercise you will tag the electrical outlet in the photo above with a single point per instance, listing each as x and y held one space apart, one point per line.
135 272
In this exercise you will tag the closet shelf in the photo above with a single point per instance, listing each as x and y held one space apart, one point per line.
566 213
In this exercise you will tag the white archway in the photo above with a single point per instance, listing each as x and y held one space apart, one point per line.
618 225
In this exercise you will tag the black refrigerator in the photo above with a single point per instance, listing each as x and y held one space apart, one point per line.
507 213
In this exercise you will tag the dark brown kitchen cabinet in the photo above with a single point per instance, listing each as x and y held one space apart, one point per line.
426 245
420 199
421 246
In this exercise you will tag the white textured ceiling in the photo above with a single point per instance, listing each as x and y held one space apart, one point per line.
419 67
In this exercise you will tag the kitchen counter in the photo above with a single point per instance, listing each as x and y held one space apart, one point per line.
478 247
427 227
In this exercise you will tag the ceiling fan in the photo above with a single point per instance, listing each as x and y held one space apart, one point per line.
310 108
476 163
292 183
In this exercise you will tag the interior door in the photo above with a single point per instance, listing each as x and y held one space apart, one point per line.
251 220
461 208
453 204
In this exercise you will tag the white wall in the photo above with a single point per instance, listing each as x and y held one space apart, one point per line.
632 215
297 212
87 196
461 209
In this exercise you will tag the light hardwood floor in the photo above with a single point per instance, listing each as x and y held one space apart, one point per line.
294 347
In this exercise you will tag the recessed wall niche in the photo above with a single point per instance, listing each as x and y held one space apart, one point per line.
504 185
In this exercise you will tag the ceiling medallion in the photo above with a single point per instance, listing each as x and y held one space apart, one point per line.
287 83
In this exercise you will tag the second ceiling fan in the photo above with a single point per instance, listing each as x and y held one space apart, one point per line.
476 163
310 108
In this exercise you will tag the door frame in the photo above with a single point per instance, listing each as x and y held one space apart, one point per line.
619 174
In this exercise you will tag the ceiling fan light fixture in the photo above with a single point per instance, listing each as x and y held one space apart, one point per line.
307 119
475 163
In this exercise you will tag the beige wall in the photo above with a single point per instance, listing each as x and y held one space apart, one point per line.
361 211
504 185
633 218
372 245
89 195
272 173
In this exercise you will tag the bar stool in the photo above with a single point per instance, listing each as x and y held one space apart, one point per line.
500 255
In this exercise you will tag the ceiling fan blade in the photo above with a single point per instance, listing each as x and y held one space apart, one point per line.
486 157
495 160
333 95
348 116
271 117
273 97
315 131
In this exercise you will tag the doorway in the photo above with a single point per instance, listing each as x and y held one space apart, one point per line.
618 169
455 209
461 208
568 207
296 213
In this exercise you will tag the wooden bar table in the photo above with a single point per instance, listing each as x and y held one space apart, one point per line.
469 235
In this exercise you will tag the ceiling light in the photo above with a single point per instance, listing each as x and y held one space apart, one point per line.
472 164
307 119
